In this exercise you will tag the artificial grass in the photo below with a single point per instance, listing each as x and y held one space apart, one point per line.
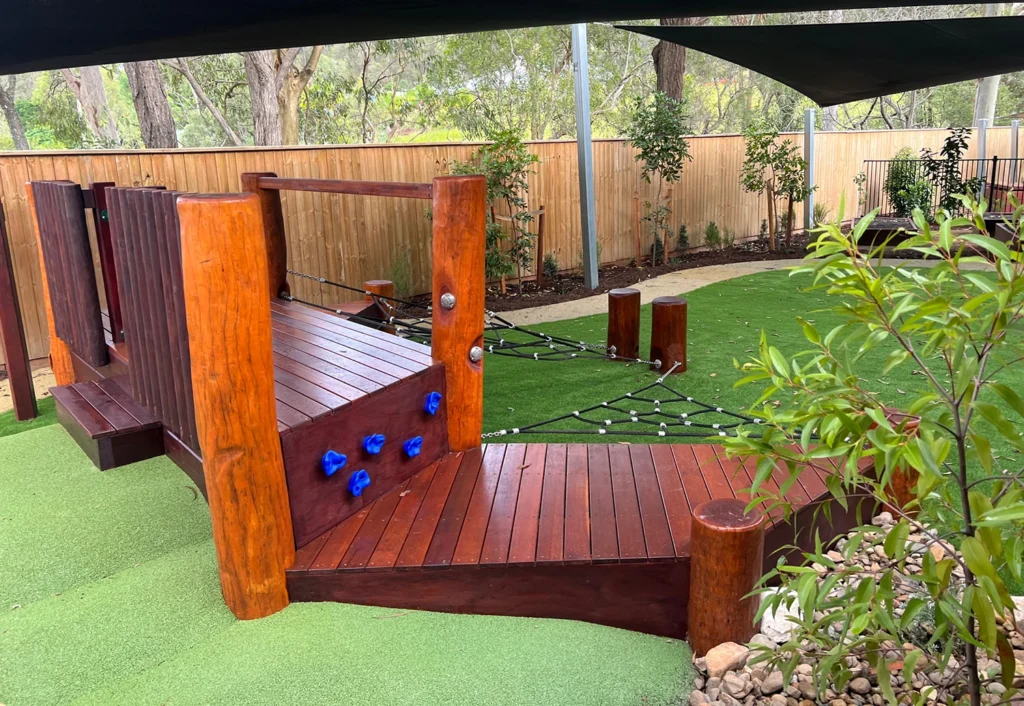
47 416
109 595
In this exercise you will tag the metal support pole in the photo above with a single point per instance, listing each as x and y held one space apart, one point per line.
982 155
809 158
1014 150
585 155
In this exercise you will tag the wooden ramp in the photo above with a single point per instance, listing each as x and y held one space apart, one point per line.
589 532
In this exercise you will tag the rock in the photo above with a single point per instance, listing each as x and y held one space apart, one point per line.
1018 610
776 625
762 640
701 664
930 694
883 518
736 686
714 683
778 700
726 657
860 685
698 698
937 551
772 683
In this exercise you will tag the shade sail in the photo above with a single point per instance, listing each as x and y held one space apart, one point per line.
48 34
839 63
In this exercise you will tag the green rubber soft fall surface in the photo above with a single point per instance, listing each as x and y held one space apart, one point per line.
109 595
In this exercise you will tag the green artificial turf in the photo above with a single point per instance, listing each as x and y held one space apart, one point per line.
109 595
47 416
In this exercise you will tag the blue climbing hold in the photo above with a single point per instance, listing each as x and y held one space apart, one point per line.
332 461
433 403
373 443
413 446
358 482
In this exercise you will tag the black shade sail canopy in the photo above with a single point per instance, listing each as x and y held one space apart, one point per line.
49 34
838 63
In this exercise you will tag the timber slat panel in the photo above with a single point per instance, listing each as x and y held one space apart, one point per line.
474 527
523 545
604 540
551 526
422 531
449 526
677 509
365 541
386 553
628 522
657 535
503 510
577 505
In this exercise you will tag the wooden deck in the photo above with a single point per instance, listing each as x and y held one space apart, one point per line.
598 533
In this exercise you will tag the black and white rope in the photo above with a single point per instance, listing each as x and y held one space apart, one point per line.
664 417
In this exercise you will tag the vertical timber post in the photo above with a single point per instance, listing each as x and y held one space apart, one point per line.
108 269
585 155
459 205
273 230
12 335
726 557
809 137
668 334
226 283
60 354
624 323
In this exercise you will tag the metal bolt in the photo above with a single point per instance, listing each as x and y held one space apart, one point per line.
476 354
448 301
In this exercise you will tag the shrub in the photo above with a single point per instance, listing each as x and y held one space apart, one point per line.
762 234
550 266
400 272
902 175
821 212
774 168
945 170
728 239
819 415
683 239
712 236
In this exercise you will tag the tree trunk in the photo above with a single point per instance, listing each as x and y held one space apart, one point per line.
11 114
292 82
789 223
155 120
92 98
181 65
670 59
261 73
771 216
988 87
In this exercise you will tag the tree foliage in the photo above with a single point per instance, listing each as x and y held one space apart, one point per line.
958 329
775 168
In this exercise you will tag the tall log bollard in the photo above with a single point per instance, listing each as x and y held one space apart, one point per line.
381 288
668 333
624 323
726 556
459 205
227 304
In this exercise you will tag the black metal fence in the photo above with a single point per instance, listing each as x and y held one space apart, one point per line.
895 186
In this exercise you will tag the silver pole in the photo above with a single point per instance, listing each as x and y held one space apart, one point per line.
809 158
1014 149
982 155
585 155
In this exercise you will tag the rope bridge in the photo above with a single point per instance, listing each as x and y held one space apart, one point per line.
411 320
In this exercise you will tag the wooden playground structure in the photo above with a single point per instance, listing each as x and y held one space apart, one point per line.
341 462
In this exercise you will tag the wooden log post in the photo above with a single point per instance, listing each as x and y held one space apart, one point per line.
382 288
12 335
60 353
273 230
726 555
459 207
226 285
624 323
668 334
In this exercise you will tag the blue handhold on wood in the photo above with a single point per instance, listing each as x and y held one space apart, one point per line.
333 461
433 403
413 446
373 443
358 482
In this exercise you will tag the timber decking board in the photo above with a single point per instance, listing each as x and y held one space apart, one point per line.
535 530
533 504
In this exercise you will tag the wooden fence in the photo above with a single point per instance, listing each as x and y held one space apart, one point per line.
351 239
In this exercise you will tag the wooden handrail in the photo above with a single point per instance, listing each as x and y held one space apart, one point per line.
339 186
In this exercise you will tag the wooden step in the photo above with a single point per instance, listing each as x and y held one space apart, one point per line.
111 428
589 532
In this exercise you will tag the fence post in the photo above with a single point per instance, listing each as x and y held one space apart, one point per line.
982 155
459 205
585 155
809 137
12 335
273 230
1014 150
226 280
60 353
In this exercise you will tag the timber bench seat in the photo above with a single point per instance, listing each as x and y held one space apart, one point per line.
111 428
588 532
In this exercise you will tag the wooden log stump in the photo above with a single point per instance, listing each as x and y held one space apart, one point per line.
726 556
459 211
383 307
226 282
624 323
668 334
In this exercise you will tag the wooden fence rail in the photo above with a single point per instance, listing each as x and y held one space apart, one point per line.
346 238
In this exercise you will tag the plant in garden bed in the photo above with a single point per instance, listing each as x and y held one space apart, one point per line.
945 170
906 186
775 169
657 131
505 162
959 330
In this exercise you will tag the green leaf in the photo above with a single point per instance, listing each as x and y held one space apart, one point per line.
1010 397
895 545
977 558
909 662
1007 660
986 617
